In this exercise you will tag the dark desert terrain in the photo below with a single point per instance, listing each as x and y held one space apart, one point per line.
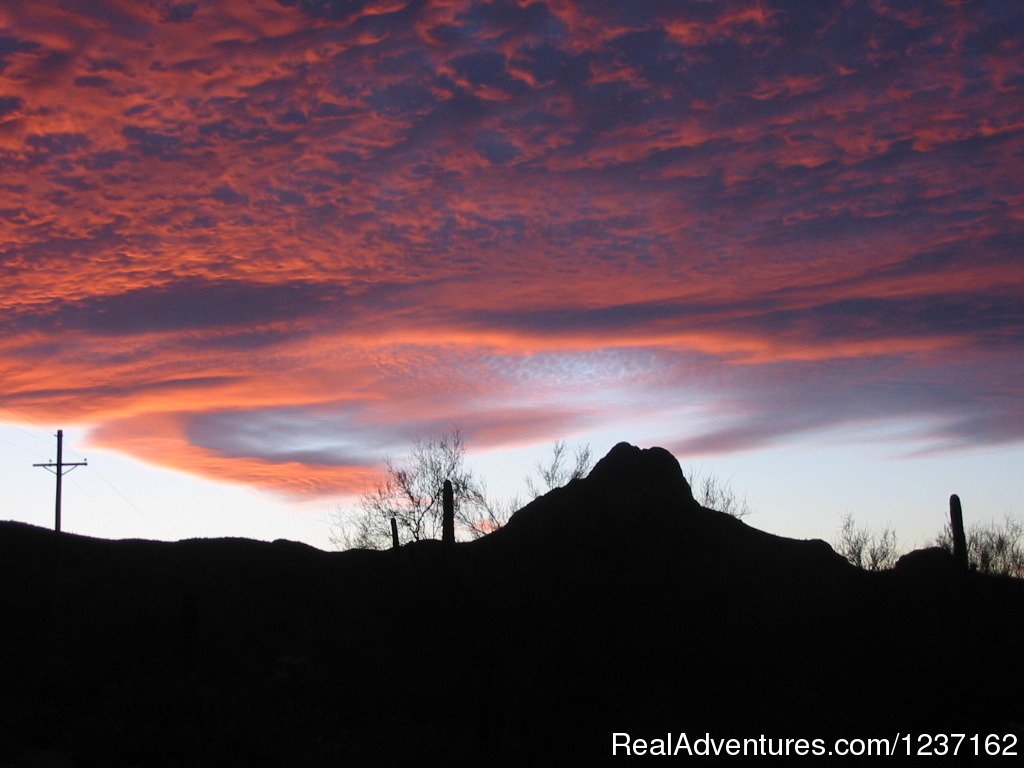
616 604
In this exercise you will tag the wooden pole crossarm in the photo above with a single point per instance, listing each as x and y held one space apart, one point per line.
60 468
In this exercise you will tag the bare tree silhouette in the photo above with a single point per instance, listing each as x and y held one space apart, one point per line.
872 551
410 493
557 472
713 493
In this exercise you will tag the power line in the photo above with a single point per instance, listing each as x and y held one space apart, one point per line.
72 450
57 468
130 502
106 511
23 448
27 420
52 465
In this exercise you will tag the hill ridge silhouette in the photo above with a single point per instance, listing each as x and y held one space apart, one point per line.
614 604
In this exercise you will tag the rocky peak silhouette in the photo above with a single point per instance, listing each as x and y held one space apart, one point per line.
616 603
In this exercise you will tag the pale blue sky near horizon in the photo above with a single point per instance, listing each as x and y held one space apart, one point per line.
799 490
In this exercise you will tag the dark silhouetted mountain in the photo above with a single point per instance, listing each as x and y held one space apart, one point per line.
614 604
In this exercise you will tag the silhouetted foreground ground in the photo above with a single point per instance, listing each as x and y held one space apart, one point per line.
616 604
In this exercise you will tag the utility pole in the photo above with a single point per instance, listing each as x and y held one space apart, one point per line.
59 468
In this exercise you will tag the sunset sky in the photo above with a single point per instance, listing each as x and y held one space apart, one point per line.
249 247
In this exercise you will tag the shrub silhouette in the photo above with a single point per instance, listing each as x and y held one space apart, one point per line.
992 547
872 551
615 603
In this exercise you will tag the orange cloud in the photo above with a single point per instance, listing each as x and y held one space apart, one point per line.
270 205
159 439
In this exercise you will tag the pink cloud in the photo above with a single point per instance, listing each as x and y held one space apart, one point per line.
238 207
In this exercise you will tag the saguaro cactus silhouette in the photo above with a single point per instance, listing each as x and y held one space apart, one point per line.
448 519
956 524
